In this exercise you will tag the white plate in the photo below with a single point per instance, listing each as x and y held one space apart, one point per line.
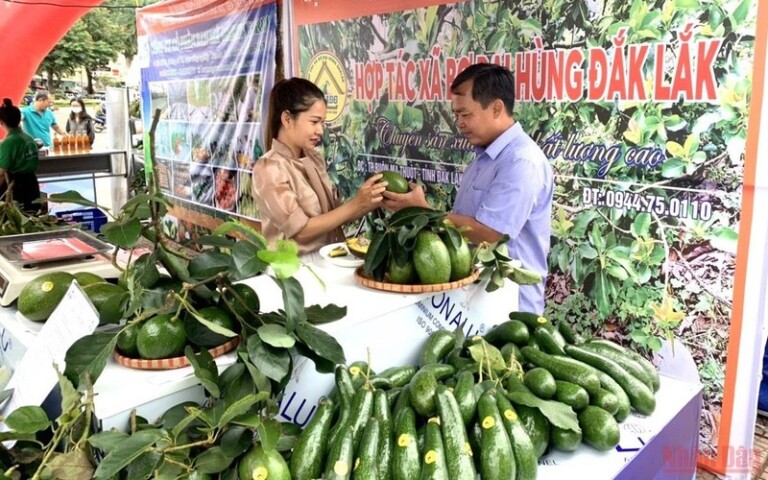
347 260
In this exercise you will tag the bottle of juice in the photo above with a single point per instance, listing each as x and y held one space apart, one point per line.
56 143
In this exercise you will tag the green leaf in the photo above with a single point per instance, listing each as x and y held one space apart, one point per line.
217 241
602 296
320 342
106 441
29 419
241 407
235 441
71 196
144 466
273 362
208 264
212 460
522 276
317 315
322 365
673 168
378 252
725 239
558 414
740 14
494 358
123 234
72 465
185 422
246 260
214 327
617 272
293 302
88 356
284 264
587 251
269 433
641 225
70 397
145 270
276 336
484 253
205 369
126 452
237 227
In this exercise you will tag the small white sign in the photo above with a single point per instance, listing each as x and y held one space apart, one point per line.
35 374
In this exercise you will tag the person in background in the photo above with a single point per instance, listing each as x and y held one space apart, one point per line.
18 159
508 187
290 183
38 119
79 120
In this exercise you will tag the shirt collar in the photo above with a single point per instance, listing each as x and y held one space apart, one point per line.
494 149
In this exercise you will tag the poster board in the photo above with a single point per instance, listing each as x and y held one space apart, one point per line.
647 112
208 66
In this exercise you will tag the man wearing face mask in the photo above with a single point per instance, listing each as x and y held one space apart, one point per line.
79 120
38 119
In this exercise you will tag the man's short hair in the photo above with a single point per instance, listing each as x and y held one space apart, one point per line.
42 95
490 82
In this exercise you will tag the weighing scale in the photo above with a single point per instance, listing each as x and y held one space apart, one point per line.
27 256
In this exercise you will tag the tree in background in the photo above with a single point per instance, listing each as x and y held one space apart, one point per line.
96 39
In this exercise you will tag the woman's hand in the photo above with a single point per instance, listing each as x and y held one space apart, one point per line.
369 196
414 198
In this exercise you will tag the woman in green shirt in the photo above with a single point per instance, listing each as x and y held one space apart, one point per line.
18 159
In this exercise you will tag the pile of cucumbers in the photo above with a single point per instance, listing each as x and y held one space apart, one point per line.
484 407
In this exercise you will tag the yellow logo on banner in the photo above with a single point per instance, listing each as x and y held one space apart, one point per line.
326 71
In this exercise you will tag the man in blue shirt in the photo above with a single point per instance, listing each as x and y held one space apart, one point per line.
38 119
508 187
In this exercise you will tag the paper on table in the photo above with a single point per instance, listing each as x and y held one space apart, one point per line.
35 374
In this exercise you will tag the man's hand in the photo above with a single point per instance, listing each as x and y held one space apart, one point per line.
414 198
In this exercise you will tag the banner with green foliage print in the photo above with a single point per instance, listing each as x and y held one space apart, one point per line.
641 106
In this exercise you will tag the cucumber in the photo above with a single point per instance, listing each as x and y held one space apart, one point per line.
465 395
515 383
380 383
532 320
422 393
640 396
339 462
650 371
549 342
405 457
540 382
392 395
458 455
382 412
599 428
440 370
606 400
434 467
562 369
607 383
366 465
569 334
438 345
571 394
344 385
361 411
309 452
511 331
632 367
526 460
360 372
536 426
564 440
511 351
398 376
496 458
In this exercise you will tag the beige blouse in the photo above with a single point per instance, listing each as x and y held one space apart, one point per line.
288 191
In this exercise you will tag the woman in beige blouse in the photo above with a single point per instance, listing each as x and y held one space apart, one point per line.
290 183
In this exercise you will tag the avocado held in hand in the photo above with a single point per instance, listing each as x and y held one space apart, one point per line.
396 183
